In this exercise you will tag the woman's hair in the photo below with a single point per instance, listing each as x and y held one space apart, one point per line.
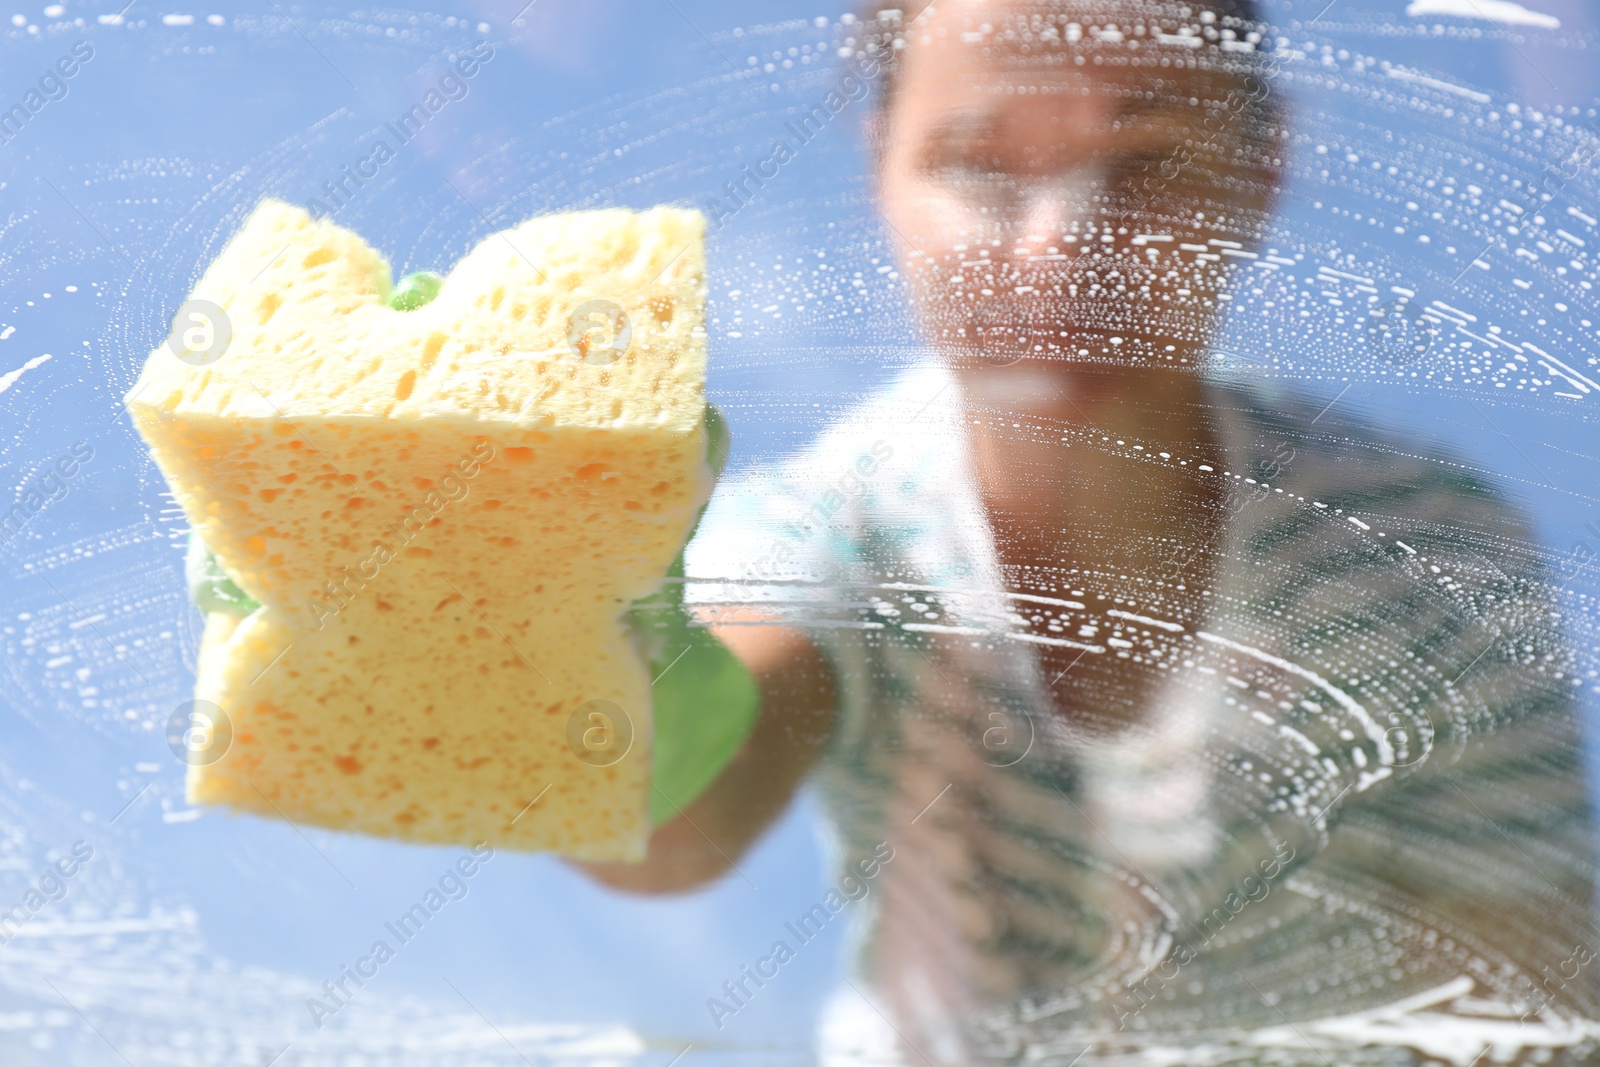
885 23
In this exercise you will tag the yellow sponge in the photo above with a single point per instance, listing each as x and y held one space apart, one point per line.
444 514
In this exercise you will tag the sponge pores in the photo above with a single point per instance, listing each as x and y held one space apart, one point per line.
444 514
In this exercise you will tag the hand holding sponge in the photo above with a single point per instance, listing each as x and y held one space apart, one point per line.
430 528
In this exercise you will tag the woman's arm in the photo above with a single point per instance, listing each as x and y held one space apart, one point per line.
711 833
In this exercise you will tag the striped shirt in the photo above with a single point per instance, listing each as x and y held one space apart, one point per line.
1348 788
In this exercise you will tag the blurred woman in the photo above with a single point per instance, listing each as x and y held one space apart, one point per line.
1189 715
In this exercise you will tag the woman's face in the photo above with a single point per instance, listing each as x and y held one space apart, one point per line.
1043 171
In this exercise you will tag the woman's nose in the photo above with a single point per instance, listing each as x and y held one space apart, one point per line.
1053 211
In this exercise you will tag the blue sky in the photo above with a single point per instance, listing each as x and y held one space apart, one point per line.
112 199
